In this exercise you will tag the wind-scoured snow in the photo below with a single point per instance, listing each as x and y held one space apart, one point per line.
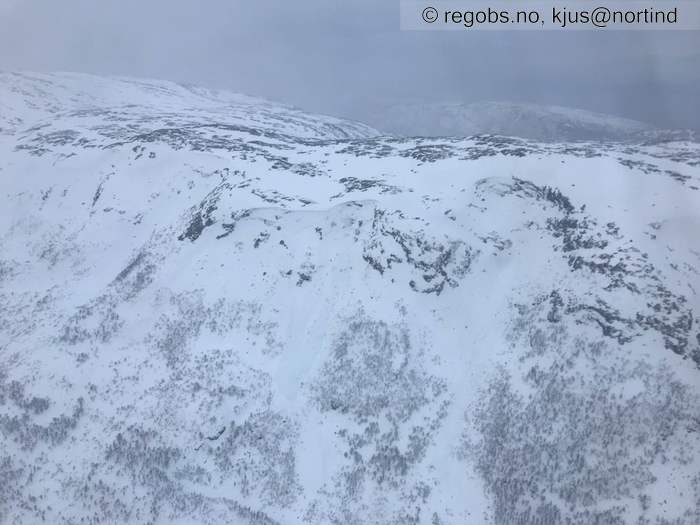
215 309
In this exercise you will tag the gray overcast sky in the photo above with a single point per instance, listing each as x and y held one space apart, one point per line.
349 57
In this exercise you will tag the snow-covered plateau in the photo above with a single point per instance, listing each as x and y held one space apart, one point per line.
216 309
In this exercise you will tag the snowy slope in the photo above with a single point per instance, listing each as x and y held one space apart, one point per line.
219 310
129 105
530 121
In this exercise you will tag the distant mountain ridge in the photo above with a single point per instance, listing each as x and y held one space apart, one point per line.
28 98
530 121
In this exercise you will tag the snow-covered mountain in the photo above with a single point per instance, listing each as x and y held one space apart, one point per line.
214 309
131 105
529 121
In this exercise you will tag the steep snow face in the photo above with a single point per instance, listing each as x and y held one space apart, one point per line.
530 121
245 317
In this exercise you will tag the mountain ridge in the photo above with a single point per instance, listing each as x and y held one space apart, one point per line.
94 92
258 316
524 120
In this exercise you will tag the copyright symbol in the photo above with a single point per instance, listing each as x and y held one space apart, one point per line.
600 16
430 14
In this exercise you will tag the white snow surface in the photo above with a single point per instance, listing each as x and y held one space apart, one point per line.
216 309
530 121
34 98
